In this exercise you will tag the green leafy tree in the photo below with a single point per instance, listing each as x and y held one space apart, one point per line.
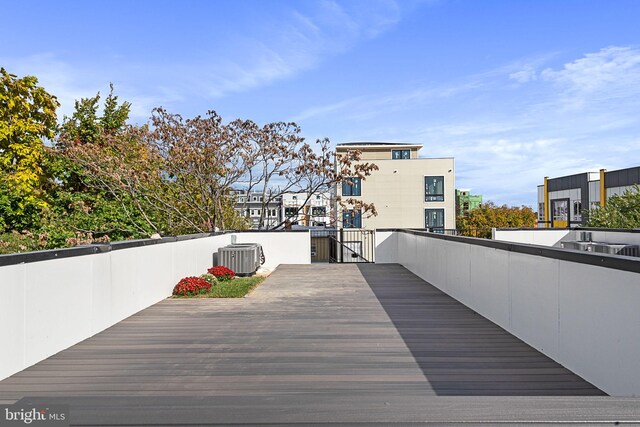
85 210
480 221
85 126
621 211
27 118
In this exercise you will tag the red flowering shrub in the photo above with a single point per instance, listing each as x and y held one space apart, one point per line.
221 272
191 286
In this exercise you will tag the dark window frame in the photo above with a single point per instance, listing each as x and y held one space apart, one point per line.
353 188
290 212
426 218
433 197
402 152
321 209
349 220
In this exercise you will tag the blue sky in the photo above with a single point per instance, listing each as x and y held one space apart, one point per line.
514 90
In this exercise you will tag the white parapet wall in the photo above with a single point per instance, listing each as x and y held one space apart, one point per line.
580 309
553 237
279 247
70 295
540 236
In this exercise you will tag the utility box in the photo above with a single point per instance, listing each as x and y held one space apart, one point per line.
243 258
616 249
576 246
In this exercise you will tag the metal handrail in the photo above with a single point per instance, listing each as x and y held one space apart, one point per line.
347 248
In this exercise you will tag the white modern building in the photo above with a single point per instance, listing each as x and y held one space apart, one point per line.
255 205
313 210
408 191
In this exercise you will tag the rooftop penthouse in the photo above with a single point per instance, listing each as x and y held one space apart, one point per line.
439 329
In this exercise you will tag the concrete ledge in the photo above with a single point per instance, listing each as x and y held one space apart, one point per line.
37 256
617 262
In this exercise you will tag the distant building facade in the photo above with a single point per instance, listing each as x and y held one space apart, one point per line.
466 202
252 206
310 211
407 191
567 200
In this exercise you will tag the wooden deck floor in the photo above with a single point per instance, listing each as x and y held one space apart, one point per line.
314 344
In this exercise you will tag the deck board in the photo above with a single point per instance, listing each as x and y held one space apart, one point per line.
320 343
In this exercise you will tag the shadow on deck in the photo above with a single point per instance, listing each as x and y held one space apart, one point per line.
460 352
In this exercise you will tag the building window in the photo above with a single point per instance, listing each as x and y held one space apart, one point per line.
255 198
318 211
434 188
318 197
352 186
577 210
352 219
434 218
290 212
294 198
540 211
560 209
400 154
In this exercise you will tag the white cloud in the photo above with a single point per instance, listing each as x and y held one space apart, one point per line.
596 71
598 78
524 76
280 50
580 116
294 45
367 106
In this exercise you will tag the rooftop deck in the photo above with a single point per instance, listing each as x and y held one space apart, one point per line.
314 344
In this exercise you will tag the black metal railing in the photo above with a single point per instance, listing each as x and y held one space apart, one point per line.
343 245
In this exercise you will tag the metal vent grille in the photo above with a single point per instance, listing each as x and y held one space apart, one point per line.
242 258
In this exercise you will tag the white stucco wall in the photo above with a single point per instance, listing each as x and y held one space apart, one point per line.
583 316
553 237
386 246
48 306
544 237
280 248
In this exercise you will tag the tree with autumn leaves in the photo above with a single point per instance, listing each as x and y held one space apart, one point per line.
100 177
181 173
480 221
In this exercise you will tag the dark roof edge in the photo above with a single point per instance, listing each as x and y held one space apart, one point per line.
374 143
613 230
616 262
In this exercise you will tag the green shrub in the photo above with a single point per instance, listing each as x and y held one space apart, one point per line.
209 278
